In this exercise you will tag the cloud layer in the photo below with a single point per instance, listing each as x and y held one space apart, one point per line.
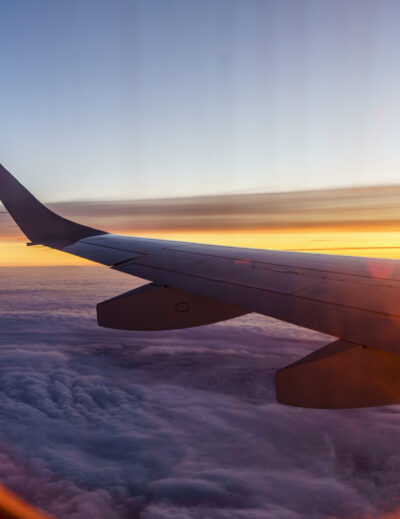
363 208
345 208
107 424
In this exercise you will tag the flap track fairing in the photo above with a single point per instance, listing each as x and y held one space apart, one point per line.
152 307
341 375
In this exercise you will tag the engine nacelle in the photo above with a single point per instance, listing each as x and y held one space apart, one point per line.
151 307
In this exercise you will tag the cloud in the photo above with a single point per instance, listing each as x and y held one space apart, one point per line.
181 424
365 208
362 207
354 221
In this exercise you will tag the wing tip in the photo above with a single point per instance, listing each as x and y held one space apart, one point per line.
37 222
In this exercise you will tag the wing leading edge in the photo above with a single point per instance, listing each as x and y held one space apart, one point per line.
354 299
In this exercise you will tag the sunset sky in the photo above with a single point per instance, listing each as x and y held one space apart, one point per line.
151 99
155 98
270 124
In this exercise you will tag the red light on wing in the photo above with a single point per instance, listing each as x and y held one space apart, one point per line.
380 269
242 261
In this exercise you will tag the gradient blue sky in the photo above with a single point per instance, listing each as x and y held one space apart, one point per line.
126 99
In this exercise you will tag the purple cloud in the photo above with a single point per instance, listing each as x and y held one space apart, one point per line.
181 424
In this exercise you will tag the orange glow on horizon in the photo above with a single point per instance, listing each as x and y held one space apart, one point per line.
381 244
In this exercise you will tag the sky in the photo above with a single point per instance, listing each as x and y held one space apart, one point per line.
224 121
154 98
178 424
357 221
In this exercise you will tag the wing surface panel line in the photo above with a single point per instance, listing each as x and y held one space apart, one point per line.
223 282
178 249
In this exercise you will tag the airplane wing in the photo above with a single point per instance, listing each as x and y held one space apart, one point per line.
354 299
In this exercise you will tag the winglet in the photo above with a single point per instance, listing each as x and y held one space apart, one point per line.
35 220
